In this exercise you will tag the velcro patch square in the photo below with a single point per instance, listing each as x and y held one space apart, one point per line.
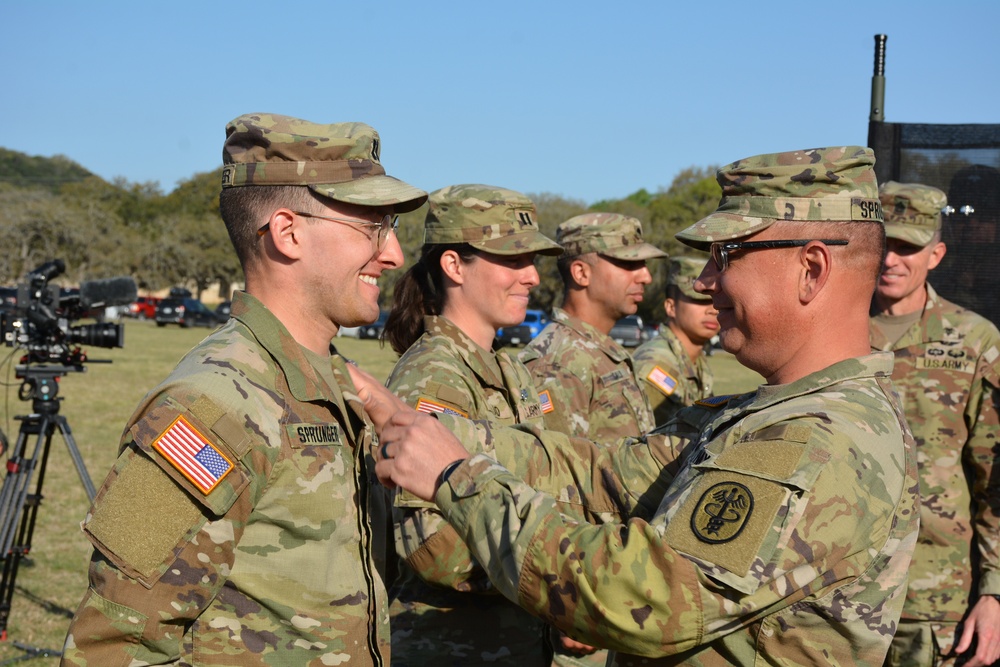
545 398
193 455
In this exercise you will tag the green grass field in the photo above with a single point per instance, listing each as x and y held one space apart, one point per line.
97 404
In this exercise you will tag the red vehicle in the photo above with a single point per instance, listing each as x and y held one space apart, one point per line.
144 307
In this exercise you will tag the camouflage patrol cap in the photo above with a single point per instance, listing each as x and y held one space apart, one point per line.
611 234
817 184
683 272
912 211
491 219
339 161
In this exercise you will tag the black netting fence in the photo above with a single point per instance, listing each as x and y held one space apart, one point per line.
964 162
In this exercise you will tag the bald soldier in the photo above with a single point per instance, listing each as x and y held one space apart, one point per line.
786 534
242 523
672 367
947 373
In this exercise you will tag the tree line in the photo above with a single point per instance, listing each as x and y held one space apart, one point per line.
53 208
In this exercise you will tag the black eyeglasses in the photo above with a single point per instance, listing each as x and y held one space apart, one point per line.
388 223
720 250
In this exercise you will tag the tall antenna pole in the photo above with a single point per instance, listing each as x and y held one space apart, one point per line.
878 81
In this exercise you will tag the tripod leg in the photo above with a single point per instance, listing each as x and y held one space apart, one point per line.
20 507
74 453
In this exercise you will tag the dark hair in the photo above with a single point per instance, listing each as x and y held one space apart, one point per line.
420 292
245 209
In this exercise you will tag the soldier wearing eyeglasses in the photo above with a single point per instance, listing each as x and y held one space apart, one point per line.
947 372
784 533
242 523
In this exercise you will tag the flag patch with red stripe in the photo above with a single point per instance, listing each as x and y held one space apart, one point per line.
193 455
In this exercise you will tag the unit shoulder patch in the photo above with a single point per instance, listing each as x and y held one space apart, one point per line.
722 512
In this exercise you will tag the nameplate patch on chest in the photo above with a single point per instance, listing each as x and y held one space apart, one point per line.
614 376
935 361
317 434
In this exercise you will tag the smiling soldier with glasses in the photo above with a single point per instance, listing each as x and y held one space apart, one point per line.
242 523
783 533
388 223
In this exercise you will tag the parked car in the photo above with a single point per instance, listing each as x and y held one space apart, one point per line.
223 310
628 331
8 298
525 332
187 312
374 330
144 308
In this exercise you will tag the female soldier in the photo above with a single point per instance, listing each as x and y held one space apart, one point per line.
473 277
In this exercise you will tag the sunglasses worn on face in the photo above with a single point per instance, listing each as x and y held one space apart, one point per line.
388 223
720 250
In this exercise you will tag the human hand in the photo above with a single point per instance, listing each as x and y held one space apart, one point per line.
414 448
573 647
983 624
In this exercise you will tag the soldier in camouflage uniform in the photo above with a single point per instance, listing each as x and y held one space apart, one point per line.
672 367
242 523
586 381
474 275
947 373
786 535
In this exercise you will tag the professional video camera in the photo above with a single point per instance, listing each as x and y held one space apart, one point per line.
41 321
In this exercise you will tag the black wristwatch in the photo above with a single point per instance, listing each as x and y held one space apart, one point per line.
995 596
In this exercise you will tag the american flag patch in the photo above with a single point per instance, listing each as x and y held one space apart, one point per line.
193 455
545 398
426 405
715 401
662 380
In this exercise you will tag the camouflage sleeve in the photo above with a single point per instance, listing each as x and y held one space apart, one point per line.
627 586
424 540
983 416
588 482
569 394
159 561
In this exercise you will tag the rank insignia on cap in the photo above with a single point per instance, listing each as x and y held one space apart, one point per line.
662 380
429 406
545 398
193 455
722 512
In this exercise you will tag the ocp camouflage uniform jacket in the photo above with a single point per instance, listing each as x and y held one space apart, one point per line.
589 381
282 561
946 373
443 608
784 539
669 377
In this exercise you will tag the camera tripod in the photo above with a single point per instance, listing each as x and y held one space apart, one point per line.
19 500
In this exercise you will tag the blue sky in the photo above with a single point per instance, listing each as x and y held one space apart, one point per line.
589 100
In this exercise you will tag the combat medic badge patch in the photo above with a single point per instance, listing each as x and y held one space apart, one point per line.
722 512
193 455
